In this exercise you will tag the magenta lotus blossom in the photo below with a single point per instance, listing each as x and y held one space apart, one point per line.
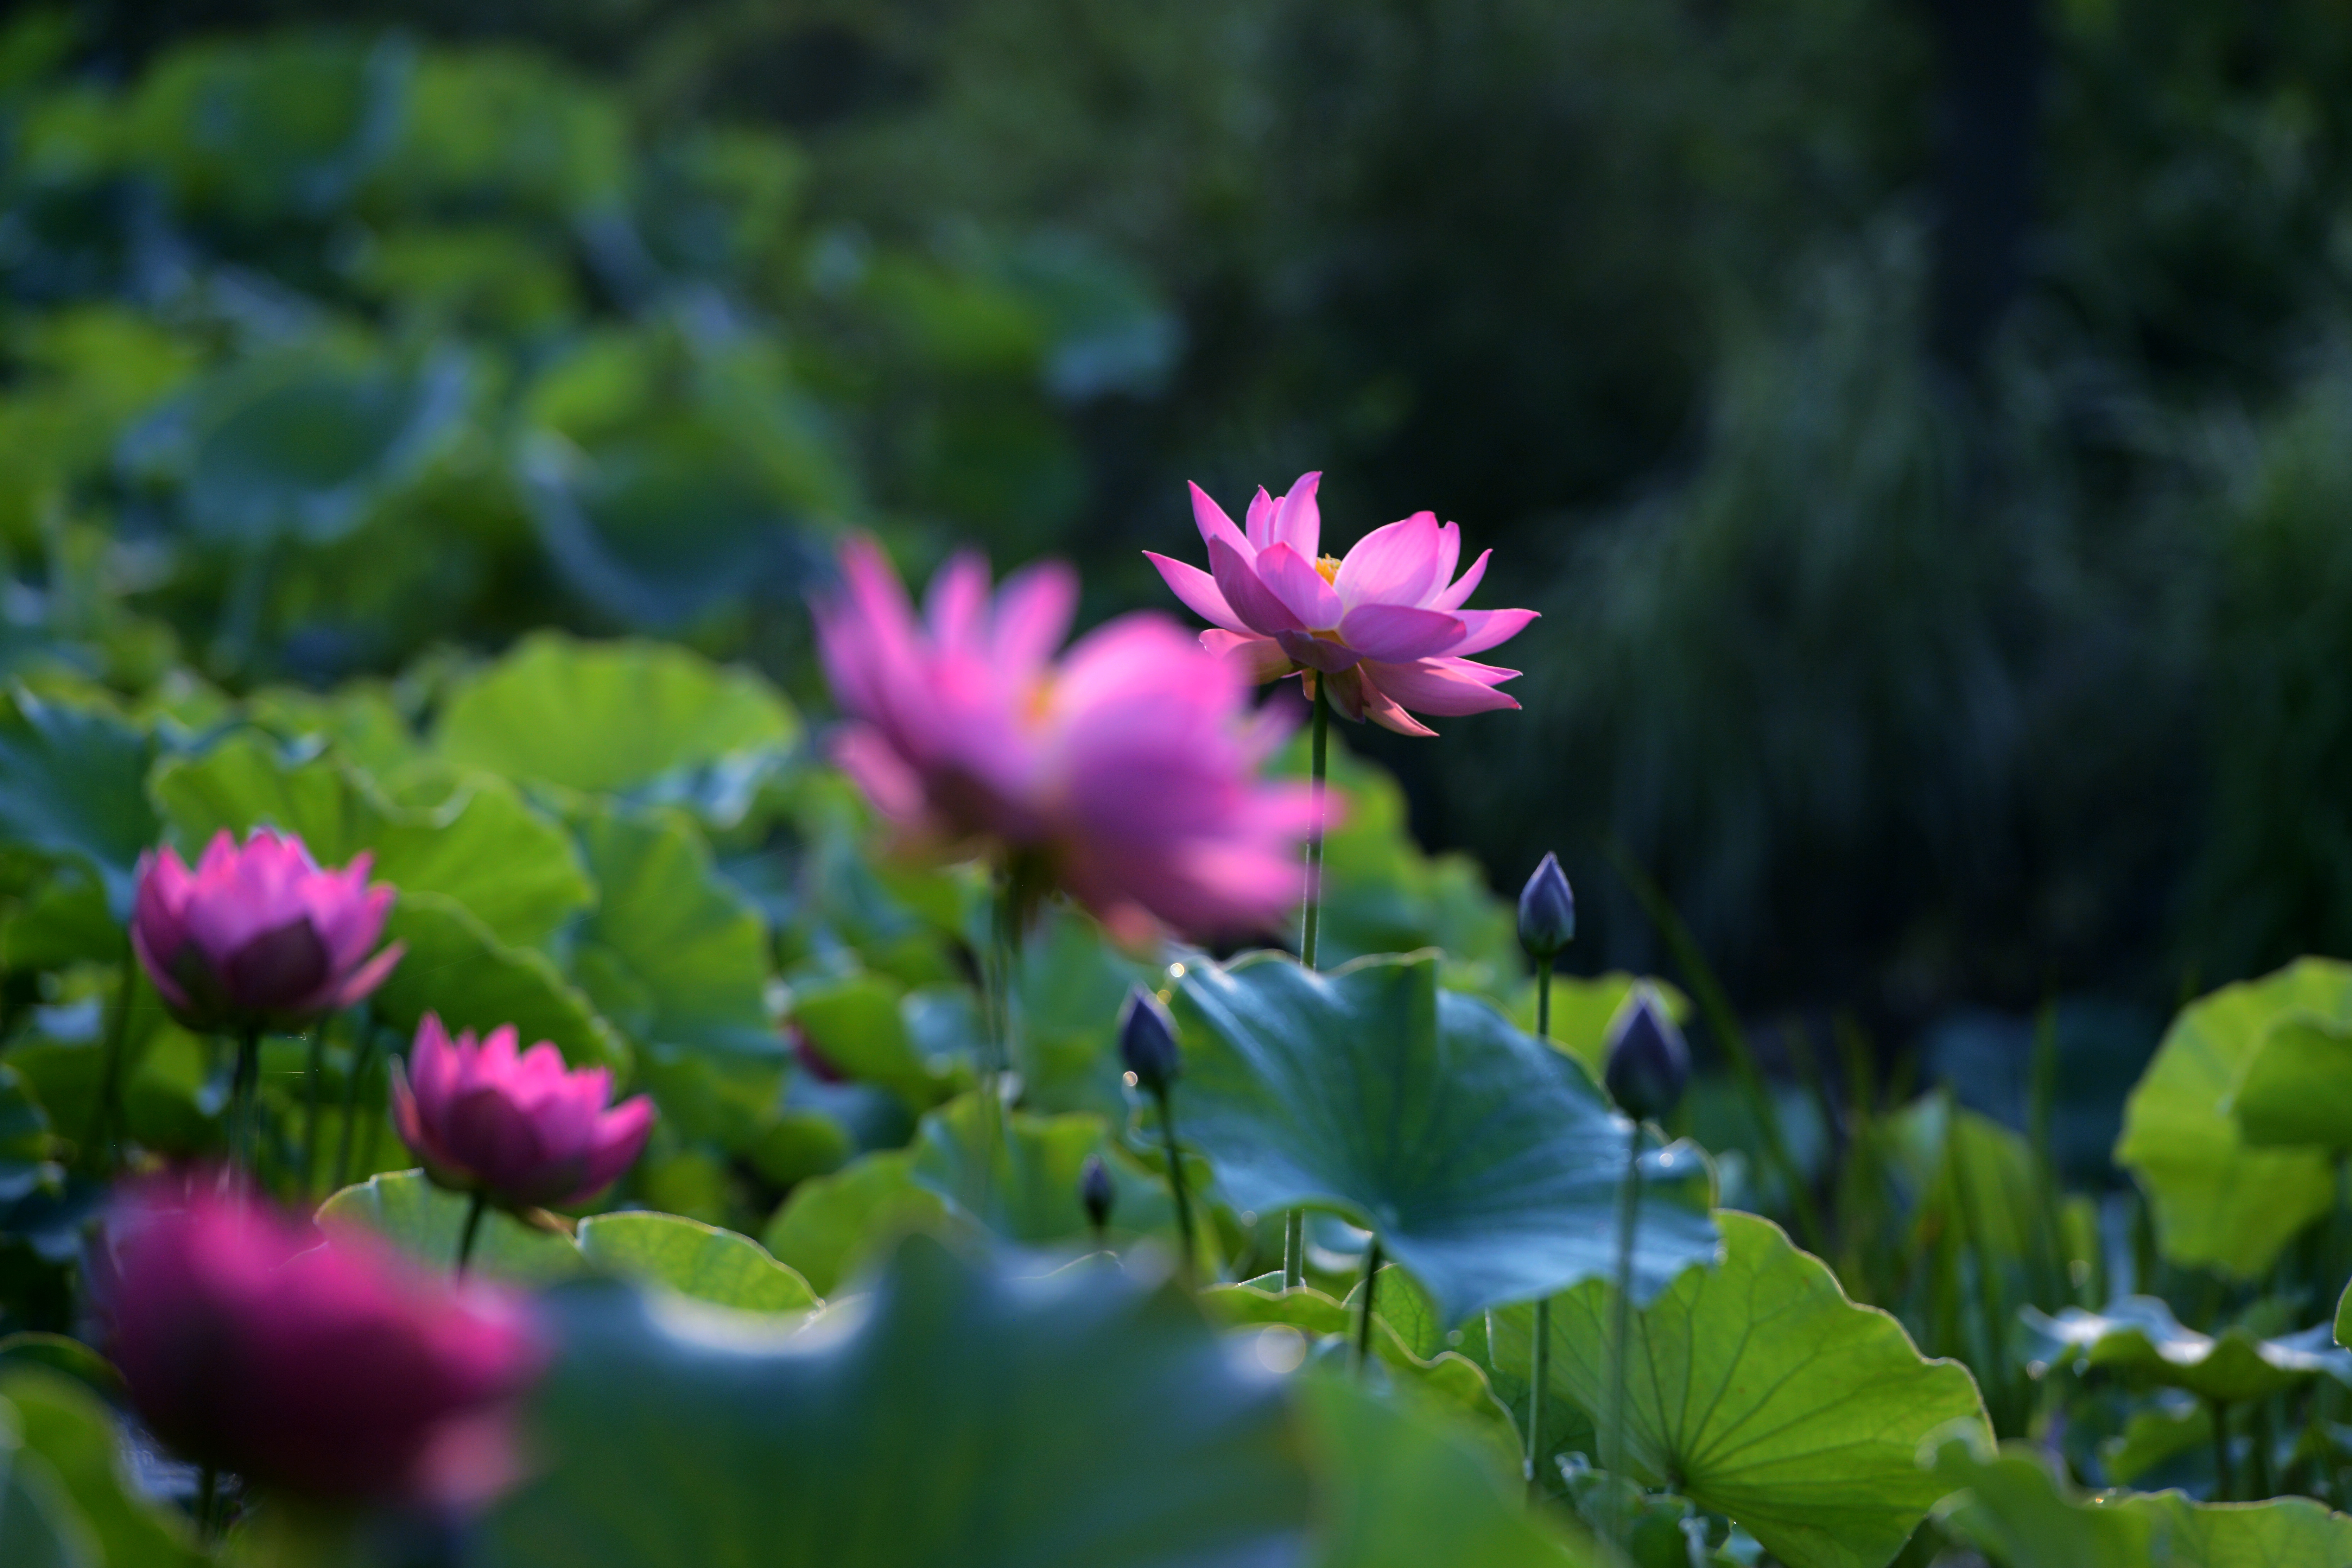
257 935
1126 774
1384 628
335 1371
518 1128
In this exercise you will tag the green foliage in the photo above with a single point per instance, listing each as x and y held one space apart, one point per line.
1487 1164
2219 1203
425 1221
72 785
966 1420
66 1436
694 1259
1763 1392
832 1227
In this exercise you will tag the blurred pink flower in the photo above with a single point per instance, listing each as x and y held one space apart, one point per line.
1125 774
519 1127
333 1371
1384 628
259 934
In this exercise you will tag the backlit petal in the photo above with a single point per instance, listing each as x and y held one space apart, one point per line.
1298 520
1394 564
1197 589
1294 580
1253 604
1392 633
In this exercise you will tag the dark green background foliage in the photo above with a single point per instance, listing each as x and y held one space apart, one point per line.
1921 424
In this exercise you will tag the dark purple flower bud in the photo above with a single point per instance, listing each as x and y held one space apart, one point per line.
1096 1192
1147 1041
1546 911
1649 1065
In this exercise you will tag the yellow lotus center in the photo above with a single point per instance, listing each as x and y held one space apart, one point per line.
1329 567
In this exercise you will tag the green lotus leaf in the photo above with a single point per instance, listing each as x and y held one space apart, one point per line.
1486 1162
404 1208
73 786
2138 1338
454 966
672 955
2009 1505
965 1418
608 717
1405 1489
1759 1392
2219 1203
70 1428
833 1225
1018 1175
480 845
2296 1087
39 1525
694 1259
868 1026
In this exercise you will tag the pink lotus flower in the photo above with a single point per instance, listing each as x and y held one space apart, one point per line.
1384 628
1126 774
259 935
520 1128
335 1371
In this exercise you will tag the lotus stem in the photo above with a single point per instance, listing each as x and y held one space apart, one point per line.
1294 1227
107 1116
1176 1179
363 1060
1540 1352
1364 1317
473 1209
2219 1409
244 1092
1620 1333
207 1504
317 1071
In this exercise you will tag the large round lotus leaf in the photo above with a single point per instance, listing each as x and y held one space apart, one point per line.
513 868
1404 1489
694 1259
2139 1338
426 1221
607 717
966 1420
1018 1175
2220 1203
71 1430
39 1525
1488 1163
2011 1507
455 967
73 784
833 1225
2296 1089
1759 1392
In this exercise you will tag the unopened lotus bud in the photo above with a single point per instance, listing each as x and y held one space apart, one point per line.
1096 1192
1147 1041
1649 1064
1546 911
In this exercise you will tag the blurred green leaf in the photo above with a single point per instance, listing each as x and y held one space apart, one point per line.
73 784
860 1023
1769 1397
1017 1174
454 966
2218 1203
70 1428
2139 1338
1487 1163
2009 1505
832 1227
966 1420
2295 1088
694 1259
615 717
425 1221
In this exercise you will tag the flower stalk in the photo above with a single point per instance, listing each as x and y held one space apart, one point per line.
1364 1314
1621 1329
475 1206
108 1114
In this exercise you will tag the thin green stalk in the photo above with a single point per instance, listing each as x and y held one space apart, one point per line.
998 970
473 1209
207 1504
2258 1436
1620 1328
1364 1313
243 1094
1176 1179
317 1070
106 1115
1724 1022
2219 1411
1992 1314
1294 1225
1314 923
363 1060
1539 1354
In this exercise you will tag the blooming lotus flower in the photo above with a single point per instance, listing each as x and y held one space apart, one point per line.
1125 774
335 1371
520 1128
259 935
1384 628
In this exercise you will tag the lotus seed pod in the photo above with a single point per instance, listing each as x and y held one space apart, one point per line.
1546 911
1649 1064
